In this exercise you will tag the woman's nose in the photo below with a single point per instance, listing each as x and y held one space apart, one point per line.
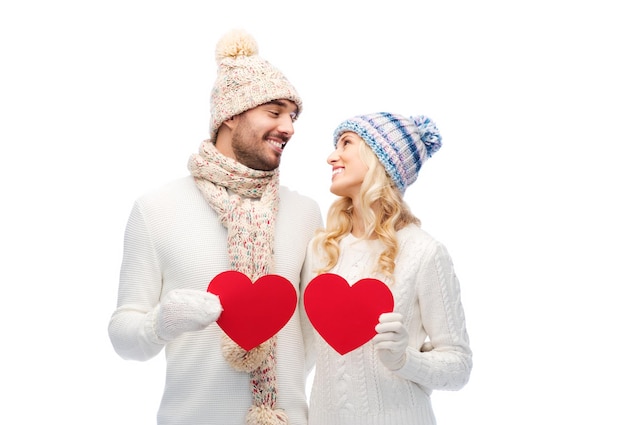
333 157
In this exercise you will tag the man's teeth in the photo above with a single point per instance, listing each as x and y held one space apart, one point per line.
278 144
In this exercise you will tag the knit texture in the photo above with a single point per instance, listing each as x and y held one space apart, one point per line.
402 144
231 189
174 239
244 79
356 389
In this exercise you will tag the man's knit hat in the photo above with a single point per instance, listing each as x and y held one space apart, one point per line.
401 144
244 80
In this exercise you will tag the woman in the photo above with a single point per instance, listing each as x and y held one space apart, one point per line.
422 345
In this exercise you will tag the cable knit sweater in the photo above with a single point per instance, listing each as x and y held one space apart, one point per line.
356 388
174 240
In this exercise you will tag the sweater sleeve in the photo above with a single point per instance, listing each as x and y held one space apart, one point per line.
131 327
312 219
448 365
308 333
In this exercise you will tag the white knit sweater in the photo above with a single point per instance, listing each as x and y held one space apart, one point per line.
357 388
175 240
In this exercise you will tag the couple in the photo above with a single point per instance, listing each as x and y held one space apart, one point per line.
232 214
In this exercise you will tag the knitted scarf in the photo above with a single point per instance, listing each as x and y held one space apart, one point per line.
246 201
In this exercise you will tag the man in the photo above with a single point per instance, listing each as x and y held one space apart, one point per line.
229 214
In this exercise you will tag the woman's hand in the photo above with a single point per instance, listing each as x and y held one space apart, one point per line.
391 341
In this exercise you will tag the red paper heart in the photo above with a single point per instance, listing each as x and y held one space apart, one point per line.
345 316
253 313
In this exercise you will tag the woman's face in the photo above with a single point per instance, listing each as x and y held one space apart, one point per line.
348 168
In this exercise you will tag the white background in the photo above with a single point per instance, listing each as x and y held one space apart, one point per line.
103 101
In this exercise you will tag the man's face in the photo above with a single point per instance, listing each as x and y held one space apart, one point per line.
261 134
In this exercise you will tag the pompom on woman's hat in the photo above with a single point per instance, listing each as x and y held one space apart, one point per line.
402 144
244 79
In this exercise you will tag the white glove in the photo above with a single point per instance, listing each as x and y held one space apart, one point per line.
391 341
185 310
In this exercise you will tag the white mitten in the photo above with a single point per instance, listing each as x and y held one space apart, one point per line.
185 310
391 341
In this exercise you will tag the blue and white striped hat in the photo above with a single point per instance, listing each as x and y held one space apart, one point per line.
401 144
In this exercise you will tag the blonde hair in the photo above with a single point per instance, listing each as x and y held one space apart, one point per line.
384 212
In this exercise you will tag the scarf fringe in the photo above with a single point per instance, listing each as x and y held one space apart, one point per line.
242 360
263 415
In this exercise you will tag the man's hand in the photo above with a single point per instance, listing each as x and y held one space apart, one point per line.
185 310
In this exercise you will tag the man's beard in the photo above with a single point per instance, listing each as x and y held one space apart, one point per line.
249 149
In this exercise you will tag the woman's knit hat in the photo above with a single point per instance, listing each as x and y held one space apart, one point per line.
401 144
244 80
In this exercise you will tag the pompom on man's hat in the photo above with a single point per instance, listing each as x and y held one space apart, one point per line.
244 79
401 144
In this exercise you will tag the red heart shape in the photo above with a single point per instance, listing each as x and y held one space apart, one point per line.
253 312
345 316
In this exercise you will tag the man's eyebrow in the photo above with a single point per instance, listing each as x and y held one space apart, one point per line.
284 104
278 102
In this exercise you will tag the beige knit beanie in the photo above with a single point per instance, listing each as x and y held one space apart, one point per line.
244 80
